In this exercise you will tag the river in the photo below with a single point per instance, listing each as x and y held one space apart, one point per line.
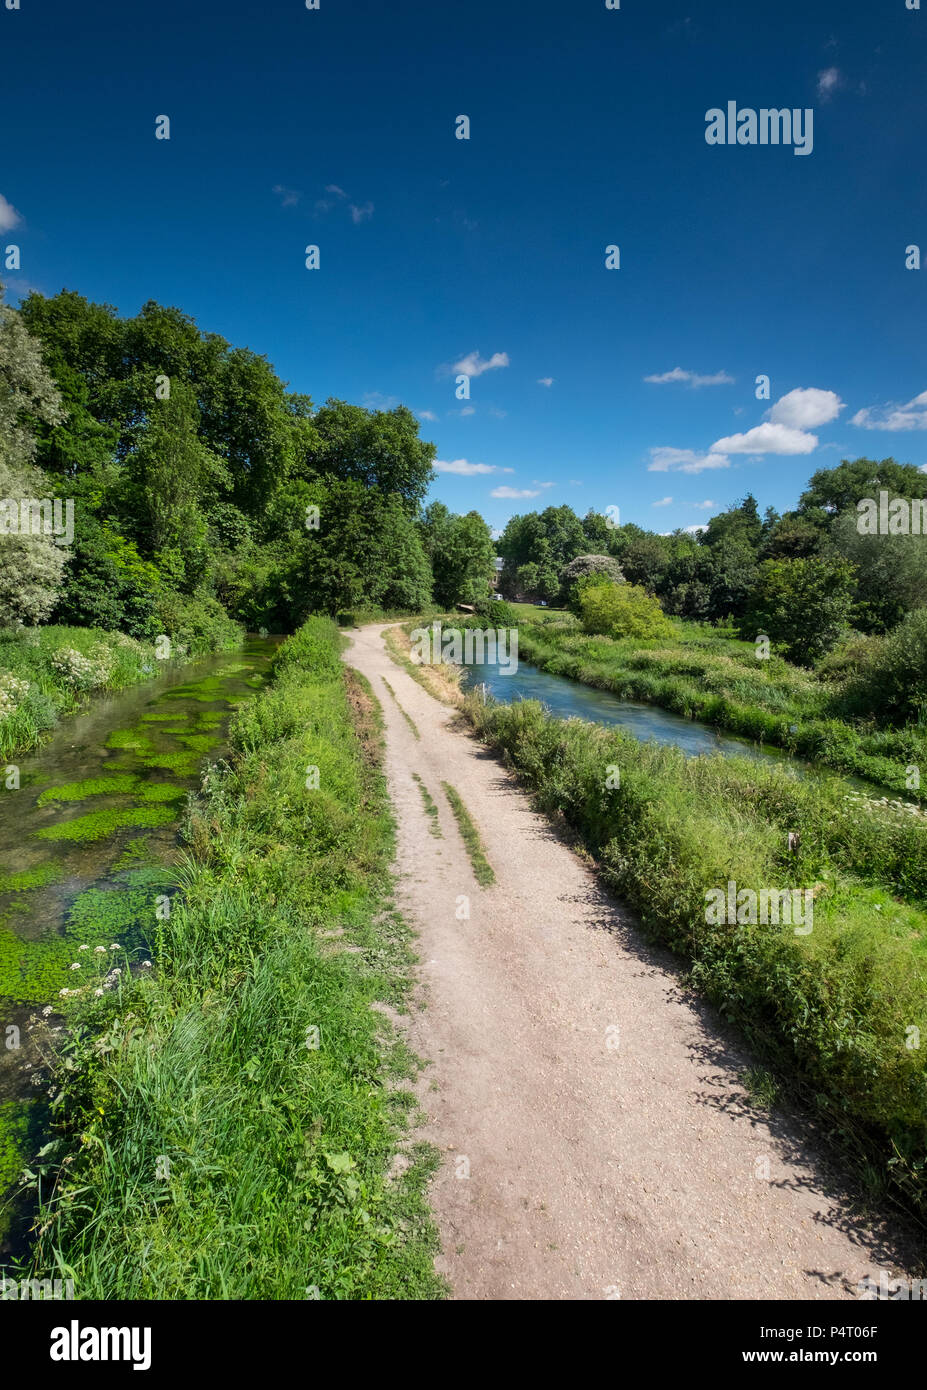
87 841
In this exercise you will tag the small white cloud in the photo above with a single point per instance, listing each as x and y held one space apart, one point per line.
828 81
545 381
9 217
768 438
537 483
806 408
375 400
693 530
361 214
513 492
663 502
912 416
467 410
474 365
333 188
499 414
691 378
465 469
427 415
704 506
668 460
289 197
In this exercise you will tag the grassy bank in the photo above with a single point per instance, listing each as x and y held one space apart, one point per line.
843 1008
48 672
718 680
228 1120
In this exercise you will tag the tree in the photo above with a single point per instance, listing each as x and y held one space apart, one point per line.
461 552
581 568
31 565
836 490
802 604
379 448
891 573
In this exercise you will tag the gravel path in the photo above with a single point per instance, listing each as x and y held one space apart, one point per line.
575 1168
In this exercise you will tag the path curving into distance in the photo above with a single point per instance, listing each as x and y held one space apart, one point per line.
595 1172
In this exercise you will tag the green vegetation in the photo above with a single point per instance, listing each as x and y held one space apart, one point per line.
407 717
621 610
98 824
836 1007
228 1120
431 809
482 869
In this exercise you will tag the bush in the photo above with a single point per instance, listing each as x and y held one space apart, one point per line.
625 610
895 682
496 612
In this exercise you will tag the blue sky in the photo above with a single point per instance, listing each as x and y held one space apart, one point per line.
337 127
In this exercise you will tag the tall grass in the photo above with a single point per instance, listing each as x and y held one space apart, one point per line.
228 1123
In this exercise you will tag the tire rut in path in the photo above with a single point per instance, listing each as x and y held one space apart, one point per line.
595 1171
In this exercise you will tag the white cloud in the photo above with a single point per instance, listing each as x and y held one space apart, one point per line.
467 410
537 483
691 378
693 530
828 82
474 365
545 381
361 214
467 470
663 502
427 415
704 506
912 416
513 492
667 460
376 400
806 408
768 438
333 188
499 414
9 217
289 197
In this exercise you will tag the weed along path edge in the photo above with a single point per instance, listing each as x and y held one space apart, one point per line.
596 1140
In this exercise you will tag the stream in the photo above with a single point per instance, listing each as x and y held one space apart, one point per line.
87 842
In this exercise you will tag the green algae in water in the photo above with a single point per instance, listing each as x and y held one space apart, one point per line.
92 786
39 877
199 743
161 791
183 764
137 851
14 1128
135 739
99 823
159 718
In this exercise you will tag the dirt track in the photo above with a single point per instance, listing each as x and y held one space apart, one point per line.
595 1171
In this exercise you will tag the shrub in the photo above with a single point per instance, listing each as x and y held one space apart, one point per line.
624 610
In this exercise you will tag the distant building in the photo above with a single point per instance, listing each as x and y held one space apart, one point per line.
494 579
